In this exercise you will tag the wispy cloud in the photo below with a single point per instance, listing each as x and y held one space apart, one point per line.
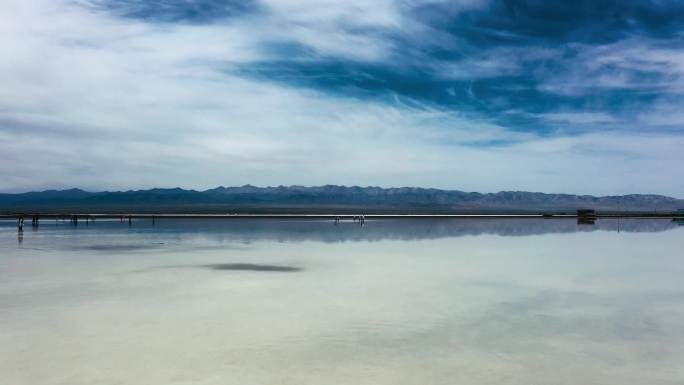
634 64
119 94
579 118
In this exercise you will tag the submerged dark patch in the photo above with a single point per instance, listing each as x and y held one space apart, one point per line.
228 266
252 267
114 247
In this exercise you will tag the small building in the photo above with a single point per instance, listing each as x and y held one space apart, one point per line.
586 213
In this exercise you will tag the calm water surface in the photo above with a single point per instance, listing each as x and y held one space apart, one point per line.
308 302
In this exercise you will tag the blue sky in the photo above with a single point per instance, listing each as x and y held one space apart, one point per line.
553 96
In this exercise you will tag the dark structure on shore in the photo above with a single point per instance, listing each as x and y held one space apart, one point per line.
586 216
586 213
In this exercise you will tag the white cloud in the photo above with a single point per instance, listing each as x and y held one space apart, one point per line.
579 118
493 62
94 101
638 64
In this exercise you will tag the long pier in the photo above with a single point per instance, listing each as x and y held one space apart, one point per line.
129 216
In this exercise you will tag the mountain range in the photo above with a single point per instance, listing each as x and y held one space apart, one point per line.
324 199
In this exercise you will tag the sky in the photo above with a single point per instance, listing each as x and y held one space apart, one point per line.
477 95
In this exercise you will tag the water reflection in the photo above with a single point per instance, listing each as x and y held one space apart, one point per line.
472 302
250 230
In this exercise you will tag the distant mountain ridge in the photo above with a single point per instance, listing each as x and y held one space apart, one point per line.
326 198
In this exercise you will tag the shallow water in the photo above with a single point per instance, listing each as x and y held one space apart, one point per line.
469 301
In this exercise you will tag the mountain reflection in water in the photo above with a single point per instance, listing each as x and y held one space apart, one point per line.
297 230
